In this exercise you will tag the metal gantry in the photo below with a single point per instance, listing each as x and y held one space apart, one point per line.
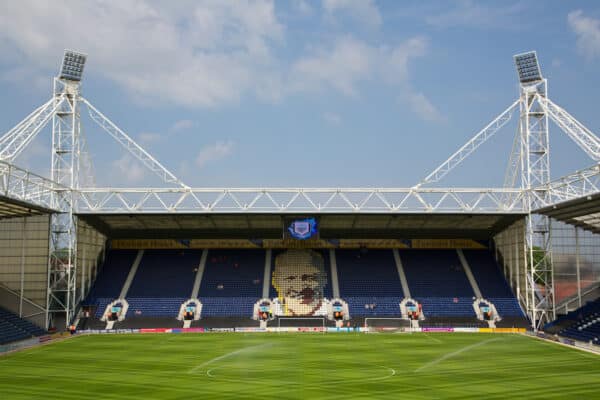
71 190
535 174
62 255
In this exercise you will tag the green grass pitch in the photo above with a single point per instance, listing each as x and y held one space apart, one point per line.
300 366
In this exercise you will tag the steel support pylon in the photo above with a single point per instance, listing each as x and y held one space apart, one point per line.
535 174
62 255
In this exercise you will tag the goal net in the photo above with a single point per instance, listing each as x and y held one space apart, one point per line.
387 324
316 324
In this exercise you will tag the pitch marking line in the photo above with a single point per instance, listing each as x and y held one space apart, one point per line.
455 353
432 338
224 356
376 378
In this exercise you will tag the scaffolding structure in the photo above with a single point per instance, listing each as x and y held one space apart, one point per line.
526 248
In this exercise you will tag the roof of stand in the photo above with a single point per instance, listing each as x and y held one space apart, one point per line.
11 208
380 226
583 212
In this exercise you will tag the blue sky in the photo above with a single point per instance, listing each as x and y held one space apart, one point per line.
301 93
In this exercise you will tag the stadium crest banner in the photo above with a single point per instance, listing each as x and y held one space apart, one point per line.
302 229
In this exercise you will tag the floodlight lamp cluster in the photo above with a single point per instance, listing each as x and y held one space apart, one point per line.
72 66
528 67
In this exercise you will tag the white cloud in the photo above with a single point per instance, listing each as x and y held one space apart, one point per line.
476 14
178 126
556 62
149 137
340 67
332 118
350 61
423 107
397 59
127 170
587 30
303 7
214 152
204 53
36 157
364 11
181 125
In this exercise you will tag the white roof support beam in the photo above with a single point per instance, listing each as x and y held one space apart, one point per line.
305 200
16 140
131 146
8 136
578 184
469 147
581 135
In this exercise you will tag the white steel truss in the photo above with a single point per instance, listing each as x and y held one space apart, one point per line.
581 135
579 184
130 145
17 139
293 200
535 174
527 187
24 186
461 154
62 254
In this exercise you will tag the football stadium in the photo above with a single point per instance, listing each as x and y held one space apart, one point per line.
174 292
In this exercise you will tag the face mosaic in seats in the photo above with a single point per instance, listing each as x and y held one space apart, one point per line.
299 278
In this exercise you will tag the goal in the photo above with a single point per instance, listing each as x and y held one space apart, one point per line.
374 324
316 324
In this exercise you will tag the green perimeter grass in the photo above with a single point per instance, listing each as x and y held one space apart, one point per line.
300 366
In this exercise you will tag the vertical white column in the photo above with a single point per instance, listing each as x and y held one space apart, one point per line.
334 274
469 274
577 265
518 268
267 273
400 268
23 238
83 273
199 274
131 275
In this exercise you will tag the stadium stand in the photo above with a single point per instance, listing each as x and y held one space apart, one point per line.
492 284
162 282
582 324
13 328
110 279
369 282
437 280
232 282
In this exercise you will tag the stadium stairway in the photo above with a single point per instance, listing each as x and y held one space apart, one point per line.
494 286
438 281
107 287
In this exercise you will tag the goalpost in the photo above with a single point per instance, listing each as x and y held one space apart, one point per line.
387 324
299 322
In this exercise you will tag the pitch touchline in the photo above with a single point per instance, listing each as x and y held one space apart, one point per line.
454 353
233 353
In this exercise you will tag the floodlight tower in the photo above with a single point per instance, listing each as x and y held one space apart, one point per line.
535 173
66 128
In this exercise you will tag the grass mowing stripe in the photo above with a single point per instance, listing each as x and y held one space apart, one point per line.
155 367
